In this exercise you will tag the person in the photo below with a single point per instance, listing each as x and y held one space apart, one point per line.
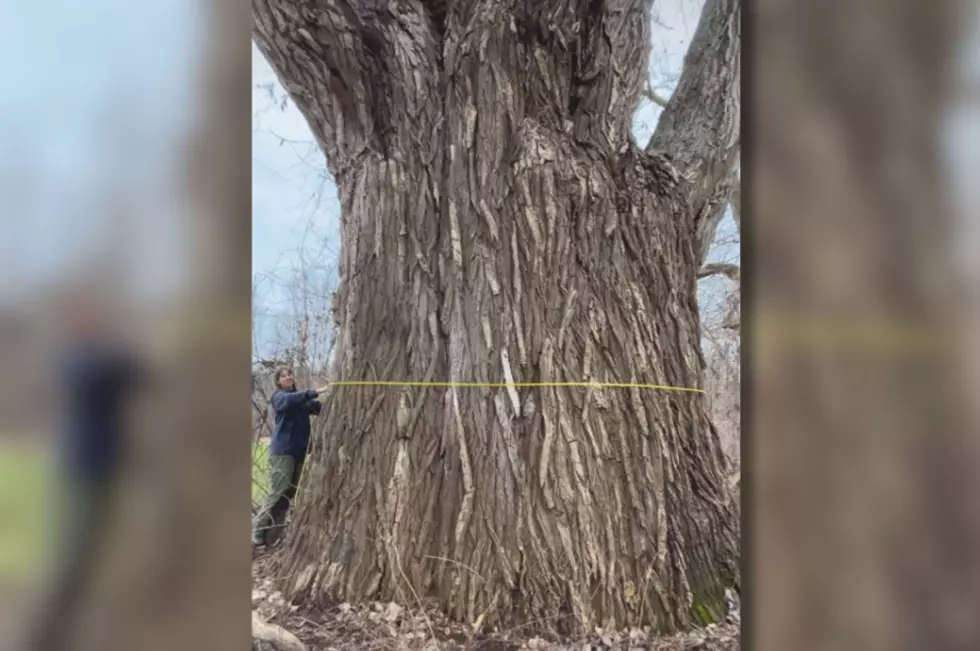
97 374
287 454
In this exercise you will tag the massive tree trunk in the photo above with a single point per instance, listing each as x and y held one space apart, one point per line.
499 224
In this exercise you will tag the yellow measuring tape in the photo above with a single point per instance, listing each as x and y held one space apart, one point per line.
859 334
515 385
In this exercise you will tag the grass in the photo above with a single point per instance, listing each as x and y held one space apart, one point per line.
26 502
260 471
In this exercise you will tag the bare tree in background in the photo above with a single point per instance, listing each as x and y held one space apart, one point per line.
296 330
721 319
500 224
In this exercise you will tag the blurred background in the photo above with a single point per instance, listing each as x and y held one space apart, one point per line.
861 443
125 243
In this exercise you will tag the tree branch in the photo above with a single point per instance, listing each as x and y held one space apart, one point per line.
360 74
610 42
712 210
727 269
699 128
654 96
736 201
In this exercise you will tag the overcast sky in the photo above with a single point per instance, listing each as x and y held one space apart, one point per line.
94 95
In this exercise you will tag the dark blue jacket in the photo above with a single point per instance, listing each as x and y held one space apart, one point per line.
291 434
97 379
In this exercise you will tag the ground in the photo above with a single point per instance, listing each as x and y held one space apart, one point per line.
420 627
394 627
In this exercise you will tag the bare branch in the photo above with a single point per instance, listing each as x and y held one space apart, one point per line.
733 321
736 201
712 210
726 269
654 96
699 128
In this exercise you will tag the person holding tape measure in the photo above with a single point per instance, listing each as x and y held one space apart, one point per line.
287 453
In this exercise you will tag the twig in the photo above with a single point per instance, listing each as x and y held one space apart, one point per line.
731 271
654 97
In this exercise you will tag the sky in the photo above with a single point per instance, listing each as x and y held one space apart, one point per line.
99 111
294 200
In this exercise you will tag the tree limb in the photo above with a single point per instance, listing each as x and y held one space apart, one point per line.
712 210
736 201
655 97
611 36
352 68
727 269
733 320
699 128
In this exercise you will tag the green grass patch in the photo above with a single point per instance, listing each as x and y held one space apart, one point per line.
260 471
27 494
26 510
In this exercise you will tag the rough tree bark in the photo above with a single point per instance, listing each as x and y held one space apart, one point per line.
699 127
499 223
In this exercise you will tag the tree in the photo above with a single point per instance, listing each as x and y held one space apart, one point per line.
865 454
500 224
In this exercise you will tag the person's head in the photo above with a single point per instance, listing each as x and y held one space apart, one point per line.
81 313
284 378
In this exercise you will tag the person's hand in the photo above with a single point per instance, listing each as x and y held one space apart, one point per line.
323 389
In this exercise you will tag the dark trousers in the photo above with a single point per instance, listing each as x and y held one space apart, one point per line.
284 474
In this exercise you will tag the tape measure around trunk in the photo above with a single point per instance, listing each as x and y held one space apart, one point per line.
514 385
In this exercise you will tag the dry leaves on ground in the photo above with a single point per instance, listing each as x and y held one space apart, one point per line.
391 627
